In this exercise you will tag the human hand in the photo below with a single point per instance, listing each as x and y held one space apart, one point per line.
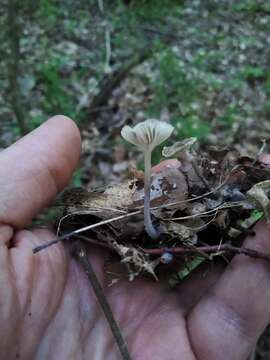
48 310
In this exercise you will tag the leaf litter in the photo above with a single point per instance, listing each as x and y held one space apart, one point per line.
203 209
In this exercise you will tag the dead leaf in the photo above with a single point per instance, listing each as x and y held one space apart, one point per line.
258 194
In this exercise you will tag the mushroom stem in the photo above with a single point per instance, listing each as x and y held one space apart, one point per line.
151 231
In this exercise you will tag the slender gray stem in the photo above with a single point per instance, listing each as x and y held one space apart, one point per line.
151 231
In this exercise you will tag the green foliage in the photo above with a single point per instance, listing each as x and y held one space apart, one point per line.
35 121
252 73
252 6
181 94
152 11
48 216
267 83
190 266
187 70
229 116
249 74
49 11
135 24
173 86
266 108
76 178
257 215
56 99
191 126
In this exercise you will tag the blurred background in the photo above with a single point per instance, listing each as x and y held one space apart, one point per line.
203 65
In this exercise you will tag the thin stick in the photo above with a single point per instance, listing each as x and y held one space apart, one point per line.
101 6
83 259
85 228
107 68
261 150
108 48
207 213
210 249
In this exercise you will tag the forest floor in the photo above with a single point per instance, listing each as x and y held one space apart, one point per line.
212 80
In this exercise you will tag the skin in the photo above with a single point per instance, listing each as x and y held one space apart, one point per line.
48 311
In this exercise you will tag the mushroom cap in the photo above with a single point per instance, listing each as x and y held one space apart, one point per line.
147 134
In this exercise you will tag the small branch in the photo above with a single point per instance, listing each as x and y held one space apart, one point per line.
83 229
210 249
107 67
101 6
108 47
83 259
260 152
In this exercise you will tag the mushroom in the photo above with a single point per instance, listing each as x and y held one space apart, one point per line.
146 136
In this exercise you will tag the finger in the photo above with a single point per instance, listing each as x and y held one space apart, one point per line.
36 168
235 311
191 289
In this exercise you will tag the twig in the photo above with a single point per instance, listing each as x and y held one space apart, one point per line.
261 150
85 228
108 47
107 67
84 212
209 212
81 255
101 6
252 356
210 249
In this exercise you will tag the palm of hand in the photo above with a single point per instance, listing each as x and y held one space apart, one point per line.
51 291
47 309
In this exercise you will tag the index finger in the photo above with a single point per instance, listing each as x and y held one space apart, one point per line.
36 168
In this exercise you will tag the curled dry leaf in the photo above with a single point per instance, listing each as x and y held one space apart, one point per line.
180 149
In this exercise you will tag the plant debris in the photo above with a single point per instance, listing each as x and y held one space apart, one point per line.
194 221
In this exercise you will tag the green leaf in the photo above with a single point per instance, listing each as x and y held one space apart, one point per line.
191 265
